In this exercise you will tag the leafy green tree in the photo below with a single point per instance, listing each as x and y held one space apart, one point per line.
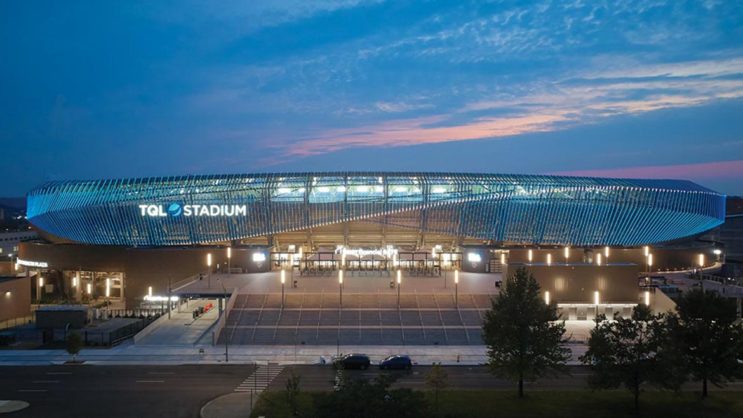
437 380
523 334
74 344
630 352
359 398
292 392
706 331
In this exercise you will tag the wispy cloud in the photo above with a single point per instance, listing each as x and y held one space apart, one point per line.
702 171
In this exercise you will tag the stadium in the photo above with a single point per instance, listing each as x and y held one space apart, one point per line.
293 243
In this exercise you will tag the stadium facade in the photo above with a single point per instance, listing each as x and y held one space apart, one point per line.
126 238
509 209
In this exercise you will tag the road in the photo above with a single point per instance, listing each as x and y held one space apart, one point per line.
118 391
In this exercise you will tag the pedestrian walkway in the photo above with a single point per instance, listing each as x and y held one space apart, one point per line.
181 328
260 379
240 403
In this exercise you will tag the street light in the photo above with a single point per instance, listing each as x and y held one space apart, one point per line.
229 260
340 287
209 268
399 282
456 288
283 280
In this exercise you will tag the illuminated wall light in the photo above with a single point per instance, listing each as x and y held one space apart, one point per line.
41 281
646 250
717 251
547 297
650 260
399 276
89 289
503 258
456 277
340 276
606 252
474 257
596 299
229 252
149 290
108 287
530 255
283 276
598 259
701 260
209 259
75 281
567 253
647 298
259 257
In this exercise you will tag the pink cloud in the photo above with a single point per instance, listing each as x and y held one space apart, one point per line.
712 170
418 131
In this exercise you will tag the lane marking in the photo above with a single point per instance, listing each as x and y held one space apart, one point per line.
33 390
150 381
45 381
162 373
57 373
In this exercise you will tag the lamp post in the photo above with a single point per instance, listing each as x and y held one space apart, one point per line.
283 280
399 283
340 287
41 287
224 312
209 269
456 288
596 302
229 260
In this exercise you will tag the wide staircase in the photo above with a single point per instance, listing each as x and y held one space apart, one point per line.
362 319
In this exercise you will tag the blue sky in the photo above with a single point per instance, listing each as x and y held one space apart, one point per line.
127 89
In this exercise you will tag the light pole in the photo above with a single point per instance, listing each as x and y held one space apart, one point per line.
456 288
229 260
209 269
283 280
596 302
340 287
399 283
224 312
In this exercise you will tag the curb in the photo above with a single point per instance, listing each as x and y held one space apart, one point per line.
7 406
236 404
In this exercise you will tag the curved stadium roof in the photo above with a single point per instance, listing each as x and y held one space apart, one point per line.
517 209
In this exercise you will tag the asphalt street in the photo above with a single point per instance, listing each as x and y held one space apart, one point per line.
118 391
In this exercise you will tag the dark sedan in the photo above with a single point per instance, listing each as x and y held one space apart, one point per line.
355 361
396 362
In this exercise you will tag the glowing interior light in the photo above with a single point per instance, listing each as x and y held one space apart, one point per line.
323 189
108 287
474 257
362 189
647 298
149 291
379 189
75 281
596 297
547 297
503 258
340 276
284 190
399 277
89 289
259 257
717 251
41 281
401 189
341 189
438 190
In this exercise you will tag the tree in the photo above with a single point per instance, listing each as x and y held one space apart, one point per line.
74 344
706 331
436 379
292 392
631 352
523 334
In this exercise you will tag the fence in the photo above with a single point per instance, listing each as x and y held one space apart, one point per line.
15 322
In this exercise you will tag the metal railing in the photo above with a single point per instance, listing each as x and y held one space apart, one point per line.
15 322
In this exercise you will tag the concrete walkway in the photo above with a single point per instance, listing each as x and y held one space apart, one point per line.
181 328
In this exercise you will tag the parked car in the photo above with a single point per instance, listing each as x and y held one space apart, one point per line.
396 362
354 361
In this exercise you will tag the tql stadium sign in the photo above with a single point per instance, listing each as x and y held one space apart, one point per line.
177 209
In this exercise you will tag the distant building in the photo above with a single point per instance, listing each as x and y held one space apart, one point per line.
731 232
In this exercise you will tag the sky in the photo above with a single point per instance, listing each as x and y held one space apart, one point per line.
109 89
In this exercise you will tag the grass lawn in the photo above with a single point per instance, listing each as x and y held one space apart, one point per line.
598 404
